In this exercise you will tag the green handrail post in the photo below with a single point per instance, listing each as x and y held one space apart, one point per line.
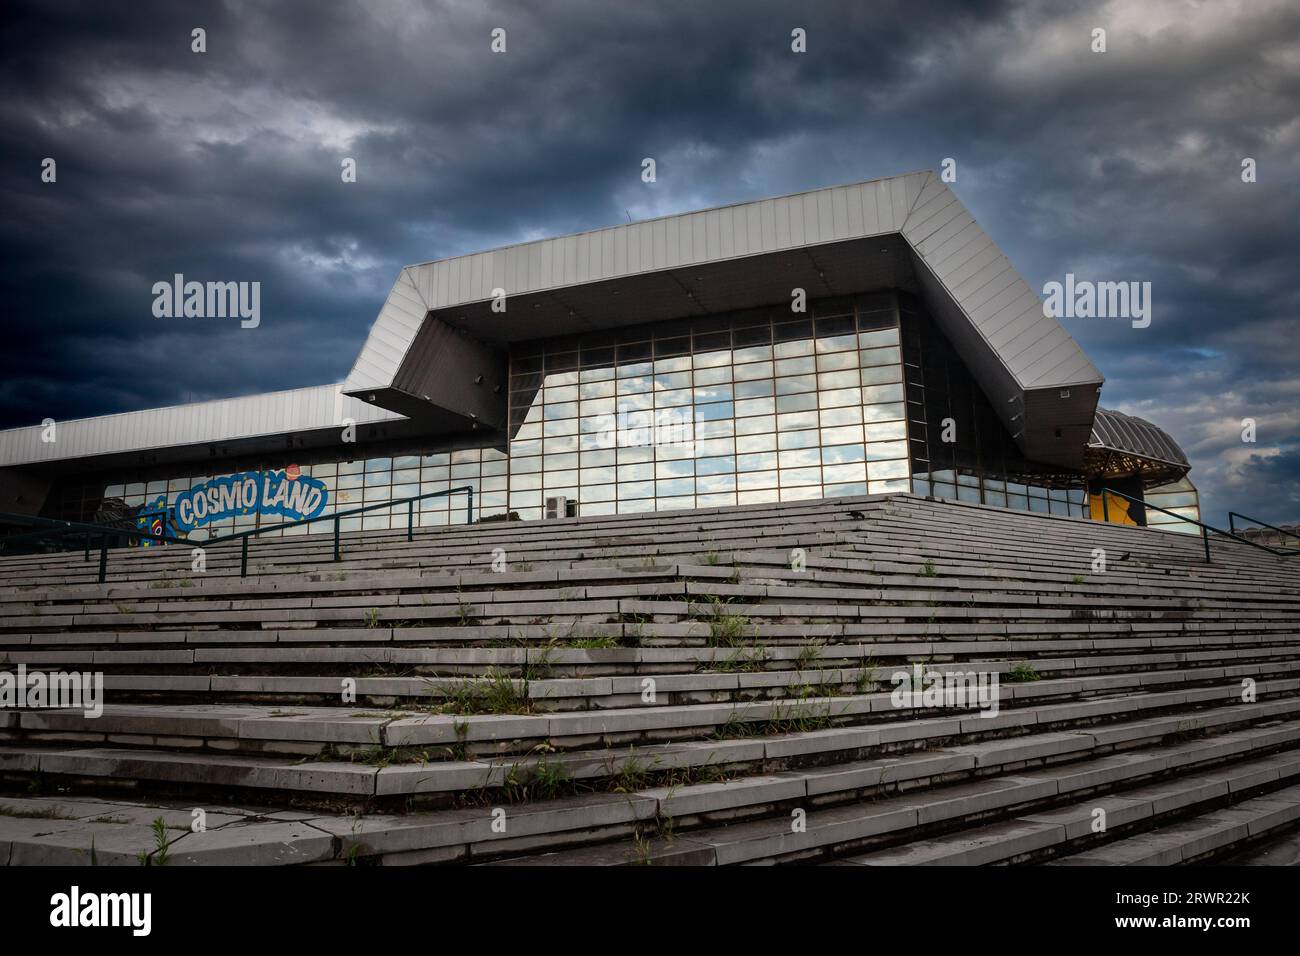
87 539
338 554
1205 536
1105 506
469 505
243 557
410 520
103 558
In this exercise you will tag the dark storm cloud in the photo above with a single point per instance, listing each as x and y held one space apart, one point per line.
1122 165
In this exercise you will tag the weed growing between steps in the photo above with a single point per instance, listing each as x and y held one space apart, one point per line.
495 693
158 855
594 643
1022 673
725 629
743 660
798 717
548 780
809 654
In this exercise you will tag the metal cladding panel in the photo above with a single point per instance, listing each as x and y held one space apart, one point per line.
223 420
1015 327
948 224
1069 369
964 254
993 298
390 337
1047 343
745 229
974 275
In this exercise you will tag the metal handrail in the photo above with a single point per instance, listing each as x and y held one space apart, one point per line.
1233 515
1205 528
59 527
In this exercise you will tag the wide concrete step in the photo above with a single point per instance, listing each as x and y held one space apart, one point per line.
767 635
72 830
826 831
1118 820
701 701
311 730
1201 837
600 655
380 772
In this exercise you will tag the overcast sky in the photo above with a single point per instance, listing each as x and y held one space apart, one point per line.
1122 165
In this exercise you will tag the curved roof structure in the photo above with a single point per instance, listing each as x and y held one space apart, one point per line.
1127 445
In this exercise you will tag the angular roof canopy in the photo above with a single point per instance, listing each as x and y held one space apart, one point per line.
434 362
899 232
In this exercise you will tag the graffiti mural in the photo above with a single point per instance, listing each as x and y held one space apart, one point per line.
286 493
152 519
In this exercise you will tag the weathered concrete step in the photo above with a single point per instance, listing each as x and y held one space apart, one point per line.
833 828
753 697
1018 535
715 675
404 592
444 776
1024 585
1076 825
308 729
1199 837
604 660
691 633
48 831
429 553
61 830
1013 527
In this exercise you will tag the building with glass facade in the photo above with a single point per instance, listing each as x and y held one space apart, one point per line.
857 340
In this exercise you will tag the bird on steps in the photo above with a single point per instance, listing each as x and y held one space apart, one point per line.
857 516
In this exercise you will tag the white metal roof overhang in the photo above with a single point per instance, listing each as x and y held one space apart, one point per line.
297 418
906 231
434 360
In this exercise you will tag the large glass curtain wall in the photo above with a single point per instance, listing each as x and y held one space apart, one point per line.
959 447
740 408
852 397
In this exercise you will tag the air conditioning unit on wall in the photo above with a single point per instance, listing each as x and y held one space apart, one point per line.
561 507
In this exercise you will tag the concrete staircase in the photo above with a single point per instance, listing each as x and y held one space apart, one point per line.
702 687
